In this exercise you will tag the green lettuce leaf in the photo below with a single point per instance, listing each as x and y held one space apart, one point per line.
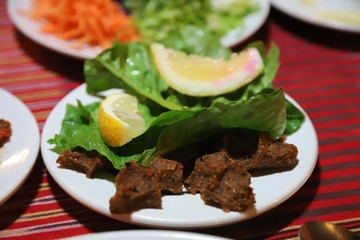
186 25
294 118
130 67
80 129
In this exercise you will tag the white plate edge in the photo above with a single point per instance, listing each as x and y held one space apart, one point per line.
281 6
16 183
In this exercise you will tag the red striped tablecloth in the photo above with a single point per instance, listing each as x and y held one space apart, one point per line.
320 68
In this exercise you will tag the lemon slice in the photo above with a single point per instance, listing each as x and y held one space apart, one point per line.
204 76
119 119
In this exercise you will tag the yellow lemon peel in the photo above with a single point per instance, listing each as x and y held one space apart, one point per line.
204 76
119 119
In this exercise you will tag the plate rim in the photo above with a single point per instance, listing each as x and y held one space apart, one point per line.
260 18
33 146
141 218
116 234
51 42
280 5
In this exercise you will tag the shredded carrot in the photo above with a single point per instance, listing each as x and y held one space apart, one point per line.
91 22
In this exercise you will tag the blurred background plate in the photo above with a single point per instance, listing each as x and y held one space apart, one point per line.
252 24
18 156
31 29
333 14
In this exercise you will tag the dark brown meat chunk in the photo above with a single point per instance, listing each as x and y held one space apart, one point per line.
136 188
222 182
5 131
231 189
86 162
205 168
272 153
168 174
260 151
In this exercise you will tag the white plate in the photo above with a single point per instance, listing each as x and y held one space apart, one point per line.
184 211
30 28
17 157
148 235
317 12
252 23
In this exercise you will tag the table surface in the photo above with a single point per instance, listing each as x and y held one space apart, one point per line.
320 69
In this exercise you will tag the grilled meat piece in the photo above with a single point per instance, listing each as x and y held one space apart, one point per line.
222 182
140 187
204 170
231 189
261 151
272 153
168 174
136 188
86 162
221 178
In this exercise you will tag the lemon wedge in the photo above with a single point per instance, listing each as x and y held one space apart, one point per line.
119 119
204 76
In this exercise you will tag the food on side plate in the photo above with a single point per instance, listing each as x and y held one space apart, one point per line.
221 138
160 20
101 22
5 131
350 17
308 2
94 22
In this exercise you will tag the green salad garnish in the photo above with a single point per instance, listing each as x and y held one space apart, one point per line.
173 120
181 24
